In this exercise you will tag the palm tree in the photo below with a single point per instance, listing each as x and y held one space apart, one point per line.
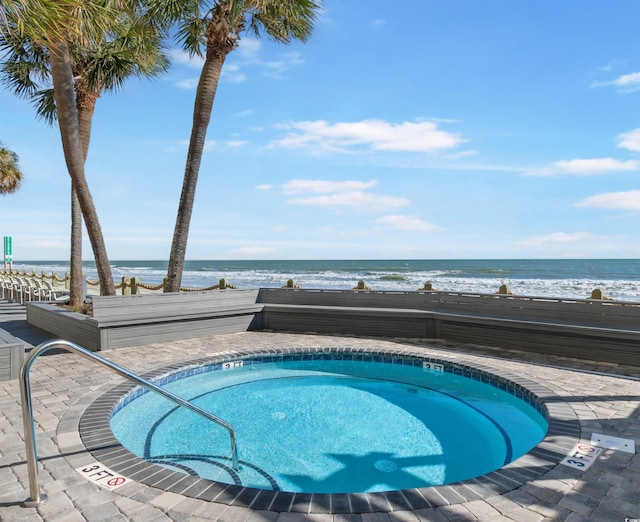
50 22
10 173
214 33
132 47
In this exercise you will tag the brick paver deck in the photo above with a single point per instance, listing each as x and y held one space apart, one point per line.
603 398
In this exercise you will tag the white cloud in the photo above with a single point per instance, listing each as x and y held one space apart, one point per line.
182 58
629 200
232 73
192 62
626 83
557 238
188 84
628 79
251 251
236 143
249 48
46 245
347 193
325 187
248 54
355 199
585 167
407 223
461 154
288 61
607 68
264 187
630 140
322 136
247 112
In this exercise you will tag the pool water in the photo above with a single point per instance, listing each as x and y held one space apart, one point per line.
332 426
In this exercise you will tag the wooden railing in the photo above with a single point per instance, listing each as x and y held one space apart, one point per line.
12 279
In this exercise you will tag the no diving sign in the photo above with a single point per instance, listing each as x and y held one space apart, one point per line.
581 456
102 476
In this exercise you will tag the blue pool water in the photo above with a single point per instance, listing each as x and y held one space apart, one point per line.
326 426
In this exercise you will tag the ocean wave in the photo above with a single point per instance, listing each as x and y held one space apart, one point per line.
392 277
618 279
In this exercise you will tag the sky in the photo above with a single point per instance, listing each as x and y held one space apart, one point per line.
429 129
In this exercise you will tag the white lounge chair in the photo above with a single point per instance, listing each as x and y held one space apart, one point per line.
53 294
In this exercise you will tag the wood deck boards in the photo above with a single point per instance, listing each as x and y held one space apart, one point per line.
11 356
121 321
596 330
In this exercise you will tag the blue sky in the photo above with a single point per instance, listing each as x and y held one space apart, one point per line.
433 129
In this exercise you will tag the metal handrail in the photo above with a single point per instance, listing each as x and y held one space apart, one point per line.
37 497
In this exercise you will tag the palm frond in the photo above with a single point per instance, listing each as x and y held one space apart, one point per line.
45 106
284 20
25 67
16 76
191 34
167 12
37 18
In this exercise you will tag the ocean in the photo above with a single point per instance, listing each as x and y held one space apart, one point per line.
566 278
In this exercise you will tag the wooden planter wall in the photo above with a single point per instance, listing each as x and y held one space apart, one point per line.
606 331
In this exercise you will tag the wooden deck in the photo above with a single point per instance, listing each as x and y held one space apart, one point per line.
132 320
16 337
607 331
11 356
586 312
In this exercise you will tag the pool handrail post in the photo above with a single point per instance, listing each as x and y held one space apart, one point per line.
37 497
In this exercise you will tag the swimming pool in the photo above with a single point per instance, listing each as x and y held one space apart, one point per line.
330 421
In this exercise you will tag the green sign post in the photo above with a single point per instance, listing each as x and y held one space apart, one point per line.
8 253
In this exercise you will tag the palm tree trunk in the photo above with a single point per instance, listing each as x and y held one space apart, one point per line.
86 107
76 295
70 134
205 94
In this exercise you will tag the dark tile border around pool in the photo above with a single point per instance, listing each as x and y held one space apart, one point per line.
561 437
